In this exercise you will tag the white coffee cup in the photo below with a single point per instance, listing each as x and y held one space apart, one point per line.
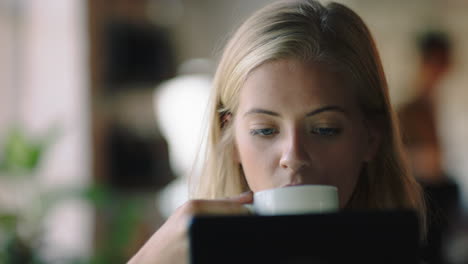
299 199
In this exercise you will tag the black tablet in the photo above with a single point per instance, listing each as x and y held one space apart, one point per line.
344 237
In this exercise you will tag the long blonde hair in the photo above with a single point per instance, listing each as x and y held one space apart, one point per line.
332 35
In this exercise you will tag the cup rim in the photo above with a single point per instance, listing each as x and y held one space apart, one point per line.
321 186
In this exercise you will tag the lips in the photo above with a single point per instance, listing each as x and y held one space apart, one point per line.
303 178
293 184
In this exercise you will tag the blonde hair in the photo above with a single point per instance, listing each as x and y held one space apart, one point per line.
334 36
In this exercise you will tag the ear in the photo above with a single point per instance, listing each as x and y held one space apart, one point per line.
225 119
374 139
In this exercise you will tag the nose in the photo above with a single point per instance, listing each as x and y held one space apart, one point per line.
294 156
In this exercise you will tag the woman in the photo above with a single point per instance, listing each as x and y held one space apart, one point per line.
299 97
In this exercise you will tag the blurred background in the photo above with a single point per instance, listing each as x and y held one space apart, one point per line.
102 103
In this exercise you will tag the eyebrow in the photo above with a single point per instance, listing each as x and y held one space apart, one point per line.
326 108
312 113
261 111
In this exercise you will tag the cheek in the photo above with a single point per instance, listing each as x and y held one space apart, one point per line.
342 166
257 160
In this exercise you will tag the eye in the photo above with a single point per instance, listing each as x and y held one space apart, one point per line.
264 131
326 131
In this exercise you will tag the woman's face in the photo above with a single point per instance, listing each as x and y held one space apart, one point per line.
300 124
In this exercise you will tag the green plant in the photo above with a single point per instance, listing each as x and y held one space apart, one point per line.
19 160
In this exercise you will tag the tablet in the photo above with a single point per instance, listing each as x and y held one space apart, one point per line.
343 237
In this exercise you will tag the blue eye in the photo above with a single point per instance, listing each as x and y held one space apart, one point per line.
326 131
263 131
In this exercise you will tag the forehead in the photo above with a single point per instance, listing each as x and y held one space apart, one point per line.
294 84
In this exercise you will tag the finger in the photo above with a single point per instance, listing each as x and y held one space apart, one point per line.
219 207
243 198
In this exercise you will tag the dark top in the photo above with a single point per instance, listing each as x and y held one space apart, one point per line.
442 201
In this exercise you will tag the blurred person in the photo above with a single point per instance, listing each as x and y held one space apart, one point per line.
299 97
421 138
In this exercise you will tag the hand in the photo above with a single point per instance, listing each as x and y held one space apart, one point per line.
170 243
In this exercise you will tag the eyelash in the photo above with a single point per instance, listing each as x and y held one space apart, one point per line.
326 131
321 131
264 132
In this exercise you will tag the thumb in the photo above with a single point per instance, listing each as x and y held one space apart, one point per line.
244 198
